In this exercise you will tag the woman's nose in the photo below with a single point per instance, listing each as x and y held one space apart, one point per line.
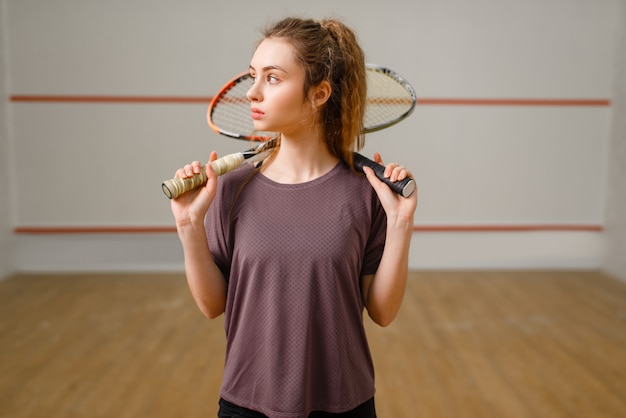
254 93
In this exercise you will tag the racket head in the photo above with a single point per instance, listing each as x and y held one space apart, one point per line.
390 99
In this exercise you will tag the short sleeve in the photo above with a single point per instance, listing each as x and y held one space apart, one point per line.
376 241
217 230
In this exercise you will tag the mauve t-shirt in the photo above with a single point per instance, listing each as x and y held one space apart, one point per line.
293 256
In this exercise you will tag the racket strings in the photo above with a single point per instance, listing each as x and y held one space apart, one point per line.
231 111
388 100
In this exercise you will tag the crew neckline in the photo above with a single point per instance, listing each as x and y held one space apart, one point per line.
304 185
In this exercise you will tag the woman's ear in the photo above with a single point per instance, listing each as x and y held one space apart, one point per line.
321 93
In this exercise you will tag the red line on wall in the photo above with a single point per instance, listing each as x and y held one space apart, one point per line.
47 230
108 99
514 102
205 100
507 228
93 229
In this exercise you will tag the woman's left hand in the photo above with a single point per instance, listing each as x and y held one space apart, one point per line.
396 207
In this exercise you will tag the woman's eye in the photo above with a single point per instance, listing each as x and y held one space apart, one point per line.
270 79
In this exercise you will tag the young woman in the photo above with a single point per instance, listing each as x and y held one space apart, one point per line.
293 251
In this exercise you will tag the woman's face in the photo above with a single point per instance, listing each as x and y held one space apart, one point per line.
277 95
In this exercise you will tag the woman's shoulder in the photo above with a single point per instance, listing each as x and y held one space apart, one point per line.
229 183
238 174
353 184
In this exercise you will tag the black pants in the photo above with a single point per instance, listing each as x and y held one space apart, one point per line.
229 410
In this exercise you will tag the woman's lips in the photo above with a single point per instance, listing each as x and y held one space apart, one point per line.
257 114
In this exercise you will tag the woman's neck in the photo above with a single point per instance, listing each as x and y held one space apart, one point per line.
300 160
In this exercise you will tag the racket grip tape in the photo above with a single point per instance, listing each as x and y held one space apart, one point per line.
177 186
404 187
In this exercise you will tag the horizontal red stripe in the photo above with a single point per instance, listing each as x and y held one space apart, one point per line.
506 228
515 102
417 228
93 229
206 100
110 99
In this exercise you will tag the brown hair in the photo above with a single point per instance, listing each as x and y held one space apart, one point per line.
328 50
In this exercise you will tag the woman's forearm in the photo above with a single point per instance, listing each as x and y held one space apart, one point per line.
387 287
204 278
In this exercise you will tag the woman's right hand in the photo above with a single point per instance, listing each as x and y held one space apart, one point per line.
190 208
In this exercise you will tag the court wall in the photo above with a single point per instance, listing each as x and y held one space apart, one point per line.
510 142
6 220
615 260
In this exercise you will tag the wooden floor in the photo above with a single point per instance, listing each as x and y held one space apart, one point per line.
466 344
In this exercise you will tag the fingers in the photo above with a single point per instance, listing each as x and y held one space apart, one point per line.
189 170
195 167
393 171
396 172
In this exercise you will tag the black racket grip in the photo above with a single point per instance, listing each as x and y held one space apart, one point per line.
404 188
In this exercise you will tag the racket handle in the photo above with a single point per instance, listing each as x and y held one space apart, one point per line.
404 188
177 186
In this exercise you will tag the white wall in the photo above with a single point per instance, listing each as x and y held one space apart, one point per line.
100 165
6 221
615 261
